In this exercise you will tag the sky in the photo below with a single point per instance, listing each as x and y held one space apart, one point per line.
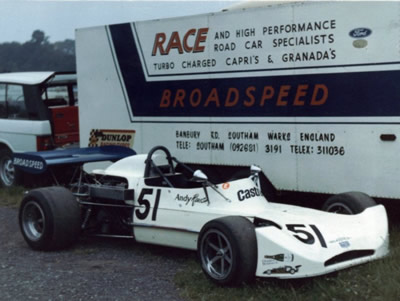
59 18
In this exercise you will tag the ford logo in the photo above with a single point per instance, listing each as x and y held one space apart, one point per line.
360 33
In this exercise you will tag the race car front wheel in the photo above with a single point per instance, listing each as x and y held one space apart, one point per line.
227 248
348 203
49 218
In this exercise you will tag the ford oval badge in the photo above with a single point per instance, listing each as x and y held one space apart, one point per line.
361 32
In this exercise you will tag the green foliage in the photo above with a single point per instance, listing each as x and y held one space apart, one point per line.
11 197
38 54
378 280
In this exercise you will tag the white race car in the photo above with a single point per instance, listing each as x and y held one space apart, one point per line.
237 233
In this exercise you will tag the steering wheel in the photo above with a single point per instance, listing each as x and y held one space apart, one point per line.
150 163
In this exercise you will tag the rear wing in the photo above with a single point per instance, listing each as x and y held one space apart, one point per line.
39 162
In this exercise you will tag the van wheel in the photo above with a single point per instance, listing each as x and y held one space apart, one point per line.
49 218
9 176
227 248
348 203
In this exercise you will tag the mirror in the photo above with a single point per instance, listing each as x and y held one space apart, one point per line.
199 176
254 169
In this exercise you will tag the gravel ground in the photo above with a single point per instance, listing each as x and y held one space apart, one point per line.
94 269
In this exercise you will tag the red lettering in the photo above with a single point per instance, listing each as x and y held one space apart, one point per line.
301 91
283 92
201 37
174 43
268 93
213 97
231 103
179 97
195 103
158 44
232 97
250 103
191 32
165 99
323 97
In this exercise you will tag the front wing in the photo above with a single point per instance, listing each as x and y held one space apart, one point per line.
323 244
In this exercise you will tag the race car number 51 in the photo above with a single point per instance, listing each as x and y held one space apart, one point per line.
305 236
145 206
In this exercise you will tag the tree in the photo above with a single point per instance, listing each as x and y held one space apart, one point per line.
66 47
38 54
39 37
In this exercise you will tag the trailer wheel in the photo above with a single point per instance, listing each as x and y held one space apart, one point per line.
49 218
227 248
348 203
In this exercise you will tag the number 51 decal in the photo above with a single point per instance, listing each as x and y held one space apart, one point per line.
305 235
145 205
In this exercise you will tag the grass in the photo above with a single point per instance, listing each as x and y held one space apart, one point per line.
378 280
11 197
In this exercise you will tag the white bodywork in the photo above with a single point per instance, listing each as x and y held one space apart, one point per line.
315 106
25 78
20 135
299 242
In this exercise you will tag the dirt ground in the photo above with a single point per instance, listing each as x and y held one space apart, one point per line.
94 269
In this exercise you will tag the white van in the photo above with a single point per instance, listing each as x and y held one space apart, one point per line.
38 111
308 90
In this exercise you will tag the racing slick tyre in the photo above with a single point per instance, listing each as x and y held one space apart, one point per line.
9 176
348 203
227 248
49 218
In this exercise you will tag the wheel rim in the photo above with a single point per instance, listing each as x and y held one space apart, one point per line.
7 171
33 221
339 208
216 254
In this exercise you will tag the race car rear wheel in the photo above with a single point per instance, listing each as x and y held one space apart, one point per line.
49 218
9 175
348 203
227 248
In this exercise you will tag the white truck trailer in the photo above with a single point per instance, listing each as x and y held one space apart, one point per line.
308 91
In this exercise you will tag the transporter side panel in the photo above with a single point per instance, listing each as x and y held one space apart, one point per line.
308 91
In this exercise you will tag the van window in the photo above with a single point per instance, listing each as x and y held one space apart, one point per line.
3 107
56 96
16 102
